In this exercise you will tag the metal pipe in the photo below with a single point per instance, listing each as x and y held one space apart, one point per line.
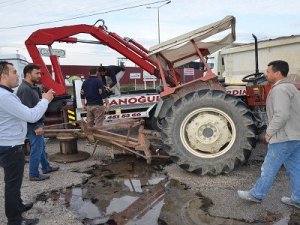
256 55
158 20
61 130
90 41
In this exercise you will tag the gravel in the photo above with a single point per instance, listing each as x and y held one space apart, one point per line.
222 190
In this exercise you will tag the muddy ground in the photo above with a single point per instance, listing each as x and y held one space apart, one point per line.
124 190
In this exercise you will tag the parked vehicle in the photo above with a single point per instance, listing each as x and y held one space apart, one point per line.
233 63
19 62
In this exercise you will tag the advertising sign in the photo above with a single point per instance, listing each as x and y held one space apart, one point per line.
135 76
188 71
58 52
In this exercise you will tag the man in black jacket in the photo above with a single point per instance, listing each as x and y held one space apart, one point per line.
29 94
115 73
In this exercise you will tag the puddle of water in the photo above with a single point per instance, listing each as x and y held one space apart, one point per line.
127 192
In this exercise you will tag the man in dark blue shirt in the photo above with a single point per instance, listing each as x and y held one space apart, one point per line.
92 98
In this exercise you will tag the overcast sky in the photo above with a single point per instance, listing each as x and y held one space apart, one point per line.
265 18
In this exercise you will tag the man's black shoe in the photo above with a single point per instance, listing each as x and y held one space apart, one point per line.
39 178
26 207
51 169
29 221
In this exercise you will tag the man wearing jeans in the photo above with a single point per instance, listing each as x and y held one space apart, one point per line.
13 127
283 136
94 99
29 95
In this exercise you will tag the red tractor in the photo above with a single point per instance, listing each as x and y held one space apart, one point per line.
204 129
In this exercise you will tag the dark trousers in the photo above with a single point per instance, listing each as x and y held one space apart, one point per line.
12 160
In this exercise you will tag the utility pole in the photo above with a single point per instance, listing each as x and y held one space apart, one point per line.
158 22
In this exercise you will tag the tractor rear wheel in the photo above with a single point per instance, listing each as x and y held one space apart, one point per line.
152 122
209 132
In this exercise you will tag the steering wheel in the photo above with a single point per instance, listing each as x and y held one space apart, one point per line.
253 77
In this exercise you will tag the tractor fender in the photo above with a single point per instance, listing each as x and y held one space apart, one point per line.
162 107
167 102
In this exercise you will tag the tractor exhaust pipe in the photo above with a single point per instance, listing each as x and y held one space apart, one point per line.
256 55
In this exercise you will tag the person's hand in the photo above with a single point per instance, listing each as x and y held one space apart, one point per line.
84 107
108 89
48 95
267 138
107 106
39 131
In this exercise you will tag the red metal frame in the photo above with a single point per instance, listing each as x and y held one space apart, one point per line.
175 78
127 47
63 34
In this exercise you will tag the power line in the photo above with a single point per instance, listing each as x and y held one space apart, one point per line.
84 16
11 3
